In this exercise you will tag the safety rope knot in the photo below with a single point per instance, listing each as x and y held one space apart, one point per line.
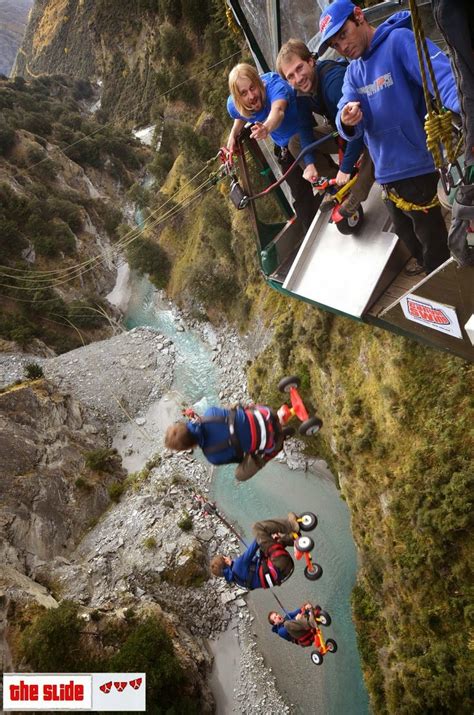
404 205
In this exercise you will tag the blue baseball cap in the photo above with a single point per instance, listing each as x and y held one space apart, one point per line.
332 19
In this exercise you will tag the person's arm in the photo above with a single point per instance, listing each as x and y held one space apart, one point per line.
351 154
407 55
237 127
283 633
349 117
261 130
305 126
246 558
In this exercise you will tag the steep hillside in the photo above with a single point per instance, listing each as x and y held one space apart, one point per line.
398 434
62 191
13 19
398 417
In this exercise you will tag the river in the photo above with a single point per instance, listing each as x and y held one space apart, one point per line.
336 687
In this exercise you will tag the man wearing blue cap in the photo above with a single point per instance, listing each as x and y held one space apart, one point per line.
382 98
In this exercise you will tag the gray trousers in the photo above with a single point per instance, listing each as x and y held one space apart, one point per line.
455 20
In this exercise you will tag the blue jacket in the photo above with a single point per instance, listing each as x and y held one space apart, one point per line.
213 433
276 88
386 81
238 571
330 78
281 630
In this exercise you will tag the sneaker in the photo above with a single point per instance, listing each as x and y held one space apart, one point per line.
293 519
413 268
327 204
348 208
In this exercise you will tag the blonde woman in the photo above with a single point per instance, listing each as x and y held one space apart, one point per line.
269 103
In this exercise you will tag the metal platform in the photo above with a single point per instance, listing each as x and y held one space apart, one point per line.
348 273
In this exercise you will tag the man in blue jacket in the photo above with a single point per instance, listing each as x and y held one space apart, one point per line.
318 87
249 437
383 101
265 562
296 626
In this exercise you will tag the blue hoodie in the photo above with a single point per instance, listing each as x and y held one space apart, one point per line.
280 629
386 81
213 433
238 571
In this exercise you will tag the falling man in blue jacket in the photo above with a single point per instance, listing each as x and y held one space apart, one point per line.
382 99
246 436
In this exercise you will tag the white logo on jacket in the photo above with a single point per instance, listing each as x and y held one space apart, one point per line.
382 82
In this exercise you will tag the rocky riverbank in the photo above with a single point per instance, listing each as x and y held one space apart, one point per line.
154 545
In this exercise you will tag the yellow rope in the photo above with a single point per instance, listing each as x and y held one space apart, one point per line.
408 205
438 122
231 21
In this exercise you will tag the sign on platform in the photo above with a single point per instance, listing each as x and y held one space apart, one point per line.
431 314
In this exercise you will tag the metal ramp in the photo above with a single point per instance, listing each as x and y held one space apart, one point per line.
347 273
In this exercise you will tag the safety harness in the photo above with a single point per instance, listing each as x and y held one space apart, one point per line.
267 571
263 427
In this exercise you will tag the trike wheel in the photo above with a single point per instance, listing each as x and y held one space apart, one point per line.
314 573
304 544
324 618
331 645
288 432
307 521
316 657
287 382
352 224
311 426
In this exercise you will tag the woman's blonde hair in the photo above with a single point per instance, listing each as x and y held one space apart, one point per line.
244 71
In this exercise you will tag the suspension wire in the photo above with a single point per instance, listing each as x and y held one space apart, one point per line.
134 233
131 232
90 267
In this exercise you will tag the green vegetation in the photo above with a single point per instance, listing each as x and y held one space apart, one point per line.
150 543
33 371
397 425
115 491
186 522
101 460
58 640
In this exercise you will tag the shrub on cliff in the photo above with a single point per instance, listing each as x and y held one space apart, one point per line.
33 371
148 257
52 643
149 649
100 460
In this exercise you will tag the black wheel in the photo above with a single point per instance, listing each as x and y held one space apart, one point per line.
352 224
304 544
324 618
307 521
287 382
311 426
316 657
331 645
313 574
288 432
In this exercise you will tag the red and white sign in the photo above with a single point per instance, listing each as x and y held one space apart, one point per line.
431 314
74 691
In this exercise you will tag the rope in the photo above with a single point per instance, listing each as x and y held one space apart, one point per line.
438 121
408 205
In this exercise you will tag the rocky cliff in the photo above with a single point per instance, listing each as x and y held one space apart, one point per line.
13 20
